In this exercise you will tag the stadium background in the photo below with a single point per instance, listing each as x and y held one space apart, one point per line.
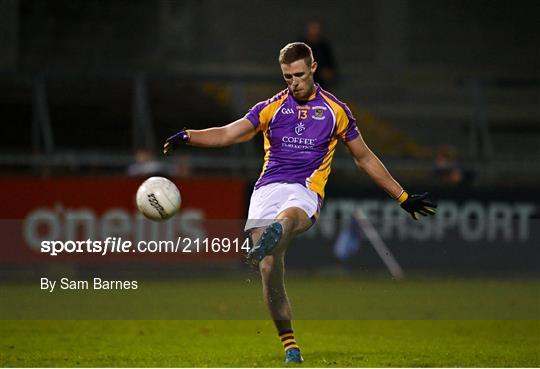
90 89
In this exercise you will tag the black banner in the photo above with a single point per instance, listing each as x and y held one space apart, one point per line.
474 231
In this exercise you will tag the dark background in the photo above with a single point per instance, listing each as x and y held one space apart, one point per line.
437 87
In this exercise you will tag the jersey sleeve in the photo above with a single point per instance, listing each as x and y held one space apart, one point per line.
255 117
262 113
351 129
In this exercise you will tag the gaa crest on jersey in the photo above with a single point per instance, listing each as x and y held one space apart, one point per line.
286 111
299 129
318 112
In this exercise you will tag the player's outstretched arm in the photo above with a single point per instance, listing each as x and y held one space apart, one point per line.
236 132
366 160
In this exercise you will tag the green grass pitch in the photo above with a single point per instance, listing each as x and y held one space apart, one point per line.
374 323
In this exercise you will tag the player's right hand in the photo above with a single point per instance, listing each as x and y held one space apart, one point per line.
175 140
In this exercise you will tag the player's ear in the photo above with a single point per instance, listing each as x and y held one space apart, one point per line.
314 66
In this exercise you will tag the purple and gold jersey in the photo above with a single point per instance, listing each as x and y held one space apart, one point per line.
300 137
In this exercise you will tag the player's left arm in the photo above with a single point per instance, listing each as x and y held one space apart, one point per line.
366 160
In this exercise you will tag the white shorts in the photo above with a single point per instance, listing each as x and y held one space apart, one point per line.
270 200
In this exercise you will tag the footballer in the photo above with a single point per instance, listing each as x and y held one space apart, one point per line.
301 126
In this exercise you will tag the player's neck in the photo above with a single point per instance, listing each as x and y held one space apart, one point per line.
311 95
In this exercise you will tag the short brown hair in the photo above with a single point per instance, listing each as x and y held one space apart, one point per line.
296 51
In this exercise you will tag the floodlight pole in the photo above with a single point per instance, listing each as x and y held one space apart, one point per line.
378 244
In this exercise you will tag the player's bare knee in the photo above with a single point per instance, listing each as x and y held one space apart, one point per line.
294 221
290 226
266 265
272 264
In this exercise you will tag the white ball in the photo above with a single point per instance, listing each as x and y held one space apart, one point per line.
158 198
